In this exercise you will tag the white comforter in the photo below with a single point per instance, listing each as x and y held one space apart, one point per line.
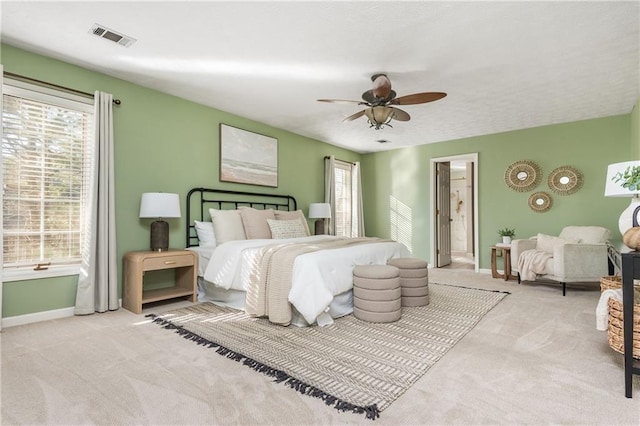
317 276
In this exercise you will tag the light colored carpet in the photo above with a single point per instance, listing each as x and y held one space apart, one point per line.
351 365
534 359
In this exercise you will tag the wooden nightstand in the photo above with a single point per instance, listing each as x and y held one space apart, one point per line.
136 263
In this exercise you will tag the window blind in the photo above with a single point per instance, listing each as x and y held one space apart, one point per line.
344 194
46 167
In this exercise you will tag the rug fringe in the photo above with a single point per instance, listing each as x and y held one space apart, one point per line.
474 288
371 411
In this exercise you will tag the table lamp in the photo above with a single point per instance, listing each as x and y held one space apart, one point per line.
319 211
159 205
623 182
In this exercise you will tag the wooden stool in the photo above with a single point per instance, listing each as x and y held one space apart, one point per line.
376 293
414 280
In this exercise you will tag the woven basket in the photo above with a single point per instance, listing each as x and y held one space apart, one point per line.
614 332
610 282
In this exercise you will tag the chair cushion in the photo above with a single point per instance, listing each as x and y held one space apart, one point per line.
548 243
586 234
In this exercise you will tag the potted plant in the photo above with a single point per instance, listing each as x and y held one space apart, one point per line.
507 234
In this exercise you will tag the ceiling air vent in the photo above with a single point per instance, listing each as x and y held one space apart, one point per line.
114 36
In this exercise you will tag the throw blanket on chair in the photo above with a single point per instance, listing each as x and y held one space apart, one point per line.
602 310
532 263
271 275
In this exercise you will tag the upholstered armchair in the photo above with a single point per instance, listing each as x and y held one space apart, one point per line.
578 254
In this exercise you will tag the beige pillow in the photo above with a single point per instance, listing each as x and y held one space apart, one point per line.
227 225
548 243
285 215
286 228
255 222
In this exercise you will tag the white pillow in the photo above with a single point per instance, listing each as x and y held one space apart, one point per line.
287 215
286 228
227 225
548 243
204 231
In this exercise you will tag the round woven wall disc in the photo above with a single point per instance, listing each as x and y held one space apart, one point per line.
540 202
565 180
523 175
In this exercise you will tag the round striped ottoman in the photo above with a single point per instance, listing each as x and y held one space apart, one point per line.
376 293
414 280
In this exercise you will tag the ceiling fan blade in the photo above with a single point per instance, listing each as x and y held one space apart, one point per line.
339 101
400 115
418 98
354 116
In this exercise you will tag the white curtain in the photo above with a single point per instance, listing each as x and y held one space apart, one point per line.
98 281
330 193
1 198
356 199
357 216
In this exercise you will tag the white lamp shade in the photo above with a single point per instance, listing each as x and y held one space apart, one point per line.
615 189
319 211
159 205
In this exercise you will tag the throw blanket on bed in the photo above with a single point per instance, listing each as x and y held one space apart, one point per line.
532 263
271 274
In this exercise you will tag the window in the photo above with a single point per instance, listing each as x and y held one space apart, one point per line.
46 156
346 220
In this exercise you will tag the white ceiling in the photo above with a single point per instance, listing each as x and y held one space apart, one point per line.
504 65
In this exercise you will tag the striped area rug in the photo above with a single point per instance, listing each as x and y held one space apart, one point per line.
352 365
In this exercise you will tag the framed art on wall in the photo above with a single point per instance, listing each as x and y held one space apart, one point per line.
247 157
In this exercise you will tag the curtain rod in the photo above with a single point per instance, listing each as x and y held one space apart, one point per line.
47 84
326 157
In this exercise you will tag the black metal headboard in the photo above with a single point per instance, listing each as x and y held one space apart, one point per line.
222 199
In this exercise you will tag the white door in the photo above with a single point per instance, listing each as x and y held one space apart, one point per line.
470 209
443 213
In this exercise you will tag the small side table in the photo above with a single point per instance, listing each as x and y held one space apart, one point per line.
136 263
506 254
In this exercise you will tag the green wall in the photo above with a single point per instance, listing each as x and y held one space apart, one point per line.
635 131
404 175
166 144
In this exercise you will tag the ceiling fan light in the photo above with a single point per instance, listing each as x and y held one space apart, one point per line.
379 116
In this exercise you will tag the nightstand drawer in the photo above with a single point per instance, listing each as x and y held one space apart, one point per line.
166 262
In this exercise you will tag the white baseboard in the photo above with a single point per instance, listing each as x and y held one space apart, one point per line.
41 316
37 317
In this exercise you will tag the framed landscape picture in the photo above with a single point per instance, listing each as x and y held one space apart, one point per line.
247 157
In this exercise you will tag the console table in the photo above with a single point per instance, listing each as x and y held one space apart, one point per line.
630 271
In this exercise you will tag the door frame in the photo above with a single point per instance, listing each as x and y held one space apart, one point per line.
472 158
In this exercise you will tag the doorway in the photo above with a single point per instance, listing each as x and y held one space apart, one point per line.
454 201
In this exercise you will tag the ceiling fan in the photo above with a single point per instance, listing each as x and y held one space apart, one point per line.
380 100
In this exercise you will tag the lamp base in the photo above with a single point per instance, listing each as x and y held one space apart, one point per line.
159 236
319 227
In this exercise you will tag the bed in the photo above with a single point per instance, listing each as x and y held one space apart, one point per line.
256 253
